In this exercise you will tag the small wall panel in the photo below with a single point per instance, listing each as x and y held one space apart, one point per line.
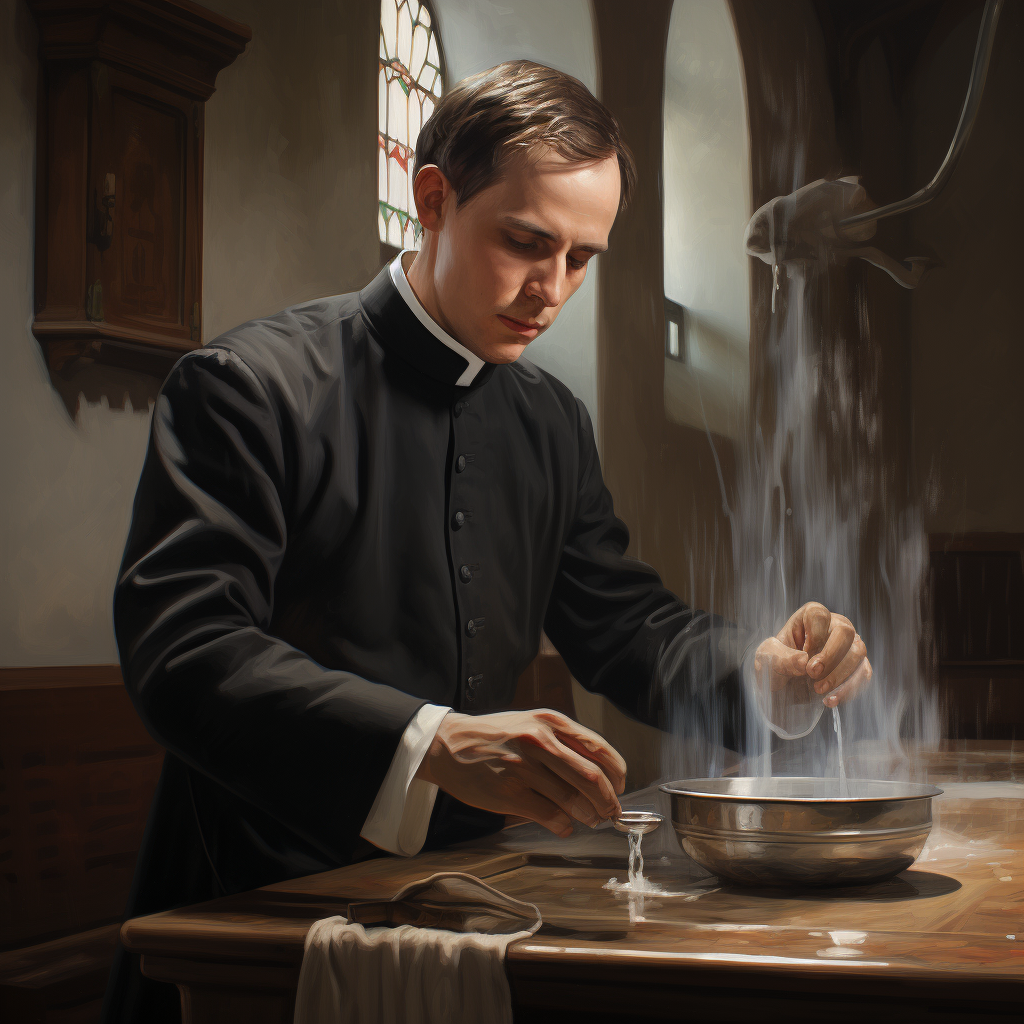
977 591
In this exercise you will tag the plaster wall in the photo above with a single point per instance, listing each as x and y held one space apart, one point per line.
68 480
967 357
290 208
667 478
289 215
707 206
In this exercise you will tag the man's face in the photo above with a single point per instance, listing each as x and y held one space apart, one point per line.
518 249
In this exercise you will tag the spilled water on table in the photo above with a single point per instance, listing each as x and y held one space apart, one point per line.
637 888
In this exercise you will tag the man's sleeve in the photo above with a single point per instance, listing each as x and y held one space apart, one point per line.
400 815
308 745
622 634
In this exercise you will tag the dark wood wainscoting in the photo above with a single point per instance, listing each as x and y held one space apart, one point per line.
977 590
77 773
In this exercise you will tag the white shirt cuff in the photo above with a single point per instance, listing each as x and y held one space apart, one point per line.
400 815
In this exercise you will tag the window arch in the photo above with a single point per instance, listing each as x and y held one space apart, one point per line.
410 81
706 176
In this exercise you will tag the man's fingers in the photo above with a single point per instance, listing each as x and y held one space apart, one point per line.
792 633
588 777
581 773
590 745
854 656
531 804
848 690
782 662
840 638
785 660
559 792
610 763
817 621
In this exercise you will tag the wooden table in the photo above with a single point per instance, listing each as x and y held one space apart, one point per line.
942 941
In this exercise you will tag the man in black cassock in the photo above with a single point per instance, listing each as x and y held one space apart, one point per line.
356 517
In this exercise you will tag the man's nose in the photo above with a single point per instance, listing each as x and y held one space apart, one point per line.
548 281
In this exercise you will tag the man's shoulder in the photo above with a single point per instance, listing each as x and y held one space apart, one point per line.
293 338
546 389
291 354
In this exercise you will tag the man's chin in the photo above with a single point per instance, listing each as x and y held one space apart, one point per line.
504 351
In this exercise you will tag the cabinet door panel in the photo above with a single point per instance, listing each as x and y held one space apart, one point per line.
144 277
143 152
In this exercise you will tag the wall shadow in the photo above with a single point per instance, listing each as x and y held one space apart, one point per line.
97 381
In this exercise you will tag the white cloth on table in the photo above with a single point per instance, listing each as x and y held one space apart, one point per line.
413 973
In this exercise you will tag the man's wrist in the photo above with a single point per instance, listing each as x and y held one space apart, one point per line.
424 771
438 749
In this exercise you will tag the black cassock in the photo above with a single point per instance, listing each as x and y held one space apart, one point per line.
329 533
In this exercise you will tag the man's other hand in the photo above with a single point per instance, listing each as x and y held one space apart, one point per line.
539 765
819 646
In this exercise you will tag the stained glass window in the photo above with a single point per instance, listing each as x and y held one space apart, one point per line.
410 81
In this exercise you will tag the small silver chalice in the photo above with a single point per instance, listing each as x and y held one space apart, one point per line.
637 822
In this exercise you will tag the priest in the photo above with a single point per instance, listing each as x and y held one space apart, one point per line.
357 516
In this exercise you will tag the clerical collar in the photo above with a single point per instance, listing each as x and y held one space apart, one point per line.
474 364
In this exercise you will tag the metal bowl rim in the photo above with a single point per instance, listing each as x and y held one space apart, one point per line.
810 838
676 789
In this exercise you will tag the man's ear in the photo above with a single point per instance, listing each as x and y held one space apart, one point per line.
430 190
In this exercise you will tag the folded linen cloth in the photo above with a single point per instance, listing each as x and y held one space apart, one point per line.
435 954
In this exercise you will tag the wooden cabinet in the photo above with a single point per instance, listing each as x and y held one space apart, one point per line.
123 86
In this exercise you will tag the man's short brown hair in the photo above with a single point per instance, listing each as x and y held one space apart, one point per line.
488 117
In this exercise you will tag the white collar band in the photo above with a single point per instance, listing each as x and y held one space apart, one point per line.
476 364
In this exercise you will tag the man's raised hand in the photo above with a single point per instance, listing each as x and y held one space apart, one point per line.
818 645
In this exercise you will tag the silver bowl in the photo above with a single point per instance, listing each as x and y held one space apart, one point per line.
797 832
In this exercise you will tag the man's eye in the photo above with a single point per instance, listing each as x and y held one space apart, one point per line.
578 264
516 244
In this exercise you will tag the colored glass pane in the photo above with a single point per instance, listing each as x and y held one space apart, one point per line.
409 85
382 174
389 23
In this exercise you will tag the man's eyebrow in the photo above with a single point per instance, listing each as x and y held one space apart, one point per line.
525 225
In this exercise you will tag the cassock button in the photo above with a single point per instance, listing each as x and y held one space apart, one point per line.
460 463
465 574
459 406
458 520
471 628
